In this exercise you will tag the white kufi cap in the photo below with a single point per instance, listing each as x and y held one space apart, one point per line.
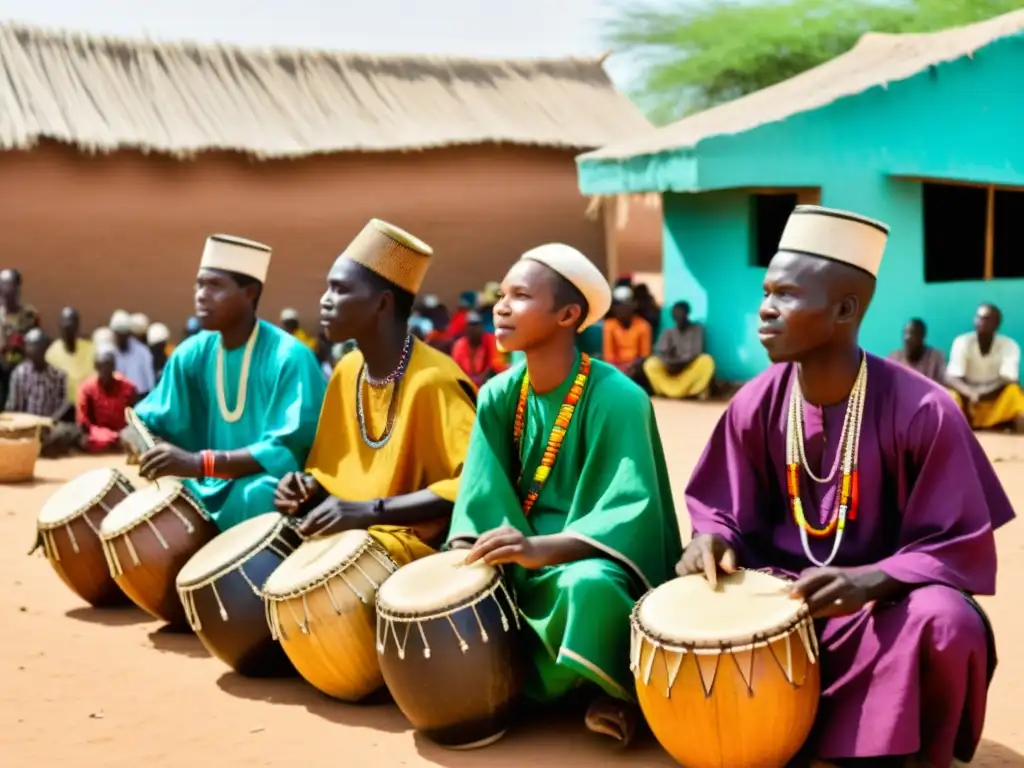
158 333
103 337
289 314
623 293
234 254
140 323
836 235
581 272
121 322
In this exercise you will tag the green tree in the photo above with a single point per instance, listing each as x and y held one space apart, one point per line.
693 55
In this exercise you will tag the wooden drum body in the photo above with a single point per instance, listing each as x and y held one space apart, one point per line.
320 606
726 678
448 638
221 590
68 528
147 538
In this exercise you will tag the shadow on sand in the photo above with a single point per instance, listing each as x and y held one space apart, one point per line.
377 712
121 616
560 736
992 754
168 639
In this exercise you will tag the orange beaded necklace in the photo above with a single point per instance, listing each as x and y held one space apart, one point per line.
562 421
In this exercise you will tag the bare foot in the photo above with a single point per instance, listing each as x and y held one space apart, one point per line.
1018 424
614 718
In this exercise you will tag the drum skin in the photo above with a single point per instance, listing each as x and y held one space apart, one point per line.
243 641
151 583
85 572
328 632
460 700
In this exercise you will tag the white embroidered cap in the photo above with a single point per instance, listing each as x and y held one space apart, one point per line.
235 254
581 272
837 235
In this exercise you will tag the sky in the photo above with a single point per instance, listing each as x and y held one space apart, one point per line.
484 28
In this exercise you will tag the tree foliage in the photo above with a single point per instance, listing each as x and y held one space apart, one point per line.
693 55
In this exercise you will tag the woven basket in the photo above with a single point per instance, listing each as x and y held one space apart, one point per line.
19 446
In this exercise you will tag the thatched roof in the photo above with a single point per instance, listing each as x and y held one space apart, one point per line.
102 94
876 60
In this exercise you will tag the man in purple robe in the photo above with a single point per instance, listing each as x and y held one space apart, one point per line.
907 654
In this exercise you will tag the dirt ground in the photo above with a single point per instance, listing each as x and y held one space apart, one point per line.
109 689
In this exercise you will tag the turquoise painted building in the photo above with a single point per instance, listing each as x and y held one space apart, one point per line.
924 132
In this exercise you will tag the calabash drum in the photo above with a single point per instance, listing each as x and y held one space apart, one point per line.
221 589
320 606
726 678
148 537
20 444
448 639
68 528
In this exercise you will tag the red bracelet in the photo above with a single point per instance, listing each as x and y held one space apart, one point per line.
208 463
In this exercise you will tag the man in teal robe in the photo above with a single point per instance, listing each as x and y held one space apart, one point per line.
592 530
238 403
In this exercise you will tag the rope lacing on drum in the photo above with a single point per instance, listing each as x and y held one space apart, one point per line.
156 532
330 596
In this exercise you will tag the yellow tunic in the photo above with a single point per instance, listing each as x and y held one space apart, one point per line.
78 367
1003 409
434 418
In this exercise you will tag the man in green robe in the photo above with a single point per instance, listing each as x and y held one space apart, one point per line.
579 508
237 404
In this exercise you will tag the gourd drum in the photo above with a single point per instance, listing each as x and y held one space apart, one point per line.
726 677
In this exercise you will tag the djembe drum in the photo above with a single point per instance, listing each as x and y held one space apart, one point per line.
68 528
147 538
727 677
320 607
448 639
221 589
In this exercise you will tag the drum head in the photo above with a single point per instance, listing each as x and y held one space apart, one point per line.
434 583
314 561
75 495
747 606
138 506
228 547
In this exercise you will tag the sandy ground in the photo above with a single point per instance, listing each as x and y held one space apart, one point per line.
82 687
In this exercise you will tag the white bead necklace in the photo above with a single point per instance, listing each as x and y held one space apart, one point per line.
243 378
849 445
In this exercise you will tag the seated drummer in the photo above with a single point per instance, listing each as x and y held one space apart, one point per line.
396 421
900 531
565 482
237 402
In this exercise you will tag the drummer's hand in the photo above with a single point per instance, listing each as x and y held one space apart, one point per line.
293 491
334 515
509 545
166 460
707 553
833 591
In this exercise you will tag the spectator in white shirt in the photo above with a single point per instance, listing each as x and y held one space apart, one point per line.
133 360
984 367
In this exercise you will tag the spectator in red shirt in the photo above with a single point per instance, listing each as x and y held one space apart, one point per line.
476 351
102 399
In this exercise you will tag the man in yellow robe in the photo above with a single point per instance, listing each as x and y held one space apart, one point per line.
984 368
396 420
679 367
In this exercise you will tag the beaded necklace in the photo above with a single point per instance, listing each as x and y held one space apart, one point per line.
396 377
562 421
234 414
847 494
